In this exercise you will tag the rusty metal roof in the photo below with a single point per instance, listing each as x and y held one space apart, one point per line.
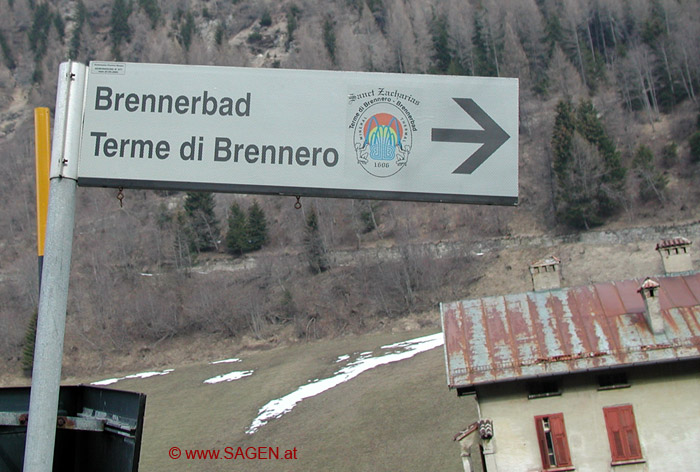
568 330
649 283
675 242
551 260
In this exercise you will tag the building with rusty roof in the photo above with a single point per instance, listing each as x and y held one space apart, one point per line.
590 378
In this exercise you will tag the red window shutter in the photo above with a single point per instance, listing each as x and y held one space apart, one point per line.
542 442
622 433
561 444
630 430
614 433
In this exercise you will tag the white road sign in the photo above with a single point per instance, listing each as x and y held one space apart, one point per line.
298 132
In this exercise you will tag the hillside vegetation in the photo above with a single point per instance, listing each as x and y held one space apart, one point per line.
609 139
393 416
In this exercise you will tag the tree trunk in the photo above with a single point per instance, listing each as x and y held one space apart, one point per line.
668 69
580 58
691 92
590 39
495 51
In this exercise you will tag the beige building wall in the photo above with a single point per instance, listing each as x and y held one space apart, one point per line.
546 274
676 260
666 403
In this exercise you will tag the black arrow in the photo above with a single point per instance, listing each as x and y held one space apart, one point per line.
491 136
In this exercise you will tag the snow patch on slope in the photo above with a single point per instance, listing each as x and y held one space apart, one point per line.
400 351
141 375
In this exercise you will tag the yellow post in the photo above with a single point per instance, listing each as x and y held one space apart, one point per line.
42 152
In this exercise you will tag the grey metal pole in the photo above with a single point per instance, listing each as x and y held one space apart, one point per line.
53 298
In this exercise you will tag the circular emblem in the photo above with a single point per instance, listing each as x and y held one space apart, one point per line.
382 138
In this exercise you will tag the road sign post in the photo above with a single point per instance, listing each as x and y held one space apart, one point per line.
53 298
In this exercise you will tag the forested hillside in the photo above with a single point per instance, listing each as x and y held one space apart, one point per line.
609 138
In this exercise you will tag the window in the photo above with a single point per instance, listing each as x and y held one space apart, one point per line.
554 447
462 391
613 380
622 433
545 388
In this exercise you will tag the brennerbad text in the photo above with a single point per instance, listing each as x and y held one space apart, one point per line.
204 104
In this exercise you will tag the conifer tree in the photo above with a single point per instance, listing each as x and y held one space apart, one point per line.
669 154
121 31
315 249
121 10
553 31
203 226
589 173
329 38
80 17
266 19
579 188
288 307
484 65
292 14
591 128
694 143
653 27
152 10
562 135
219 34
442 54
39 33
7 52
237 235
379 12
60 26
257 227
187 30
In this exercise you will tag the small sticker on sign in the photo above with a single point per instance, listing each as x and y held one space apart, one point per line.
108 68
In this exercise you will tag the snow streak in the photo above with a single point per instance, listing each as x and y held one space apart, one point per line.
402 350
239 374
141 375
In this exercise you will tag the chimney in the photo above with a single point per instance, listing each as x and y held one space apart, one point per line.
652 305
545 274
675 254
